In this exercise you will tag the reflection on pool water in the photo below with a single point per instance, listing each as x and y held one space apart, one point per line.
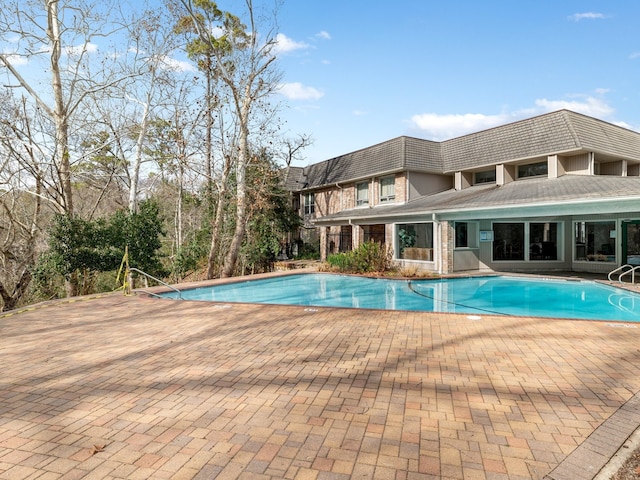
497 295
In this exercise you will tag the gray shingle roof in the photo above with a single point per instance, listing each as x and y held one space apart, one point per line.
401 153
558 132
293 178
599 136
533 137
568 188
562 191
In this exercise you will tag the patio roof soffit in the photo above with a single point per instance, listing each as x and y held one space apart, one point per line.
534 209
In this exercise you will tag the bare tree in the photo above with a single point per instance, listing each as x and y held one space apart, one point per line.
56 38
22 184
153 72
291 150
245 65
174 145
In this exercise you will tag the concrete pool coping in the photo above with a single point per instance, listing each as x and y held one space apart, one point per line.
193 390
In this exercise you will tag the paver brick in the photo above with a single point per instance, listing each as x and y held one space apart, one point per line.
186 390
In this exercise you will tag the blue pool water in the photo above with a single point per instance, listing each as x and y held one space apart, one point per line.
502 295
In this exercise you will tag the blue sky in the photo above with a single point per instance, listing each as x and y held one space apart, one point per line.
358 72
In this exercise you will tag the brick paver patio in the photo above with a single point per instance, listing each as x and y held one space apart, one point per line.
131 387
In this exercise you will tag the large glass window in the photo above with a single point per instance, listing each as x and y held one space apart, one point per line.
543 241
466 235
387 189
508 241
415 241
533 169
309 203
362 193
595 241
532 241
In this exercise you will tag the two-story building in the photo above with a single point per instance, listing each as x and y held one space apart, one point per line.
559 191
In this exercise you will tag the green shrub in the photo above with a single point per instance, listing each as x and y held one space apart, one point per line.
341 261
79 250
308 251
369 257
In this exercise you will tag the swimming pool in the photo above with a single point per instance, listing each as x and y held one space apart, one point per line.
496 295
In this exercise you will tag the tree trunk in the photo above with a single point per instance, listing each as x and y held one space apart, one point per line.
60 119
137 162
179 207
9 301
241 182
72 285
212 266
209 138
59 110
238 234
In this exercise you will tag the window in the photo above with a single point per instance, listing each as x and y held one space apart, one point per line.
362 193
508 241
595 241
487 176
543 241
387 189
533 170
309 203
339 241
531 241
374 233
466 235
415 241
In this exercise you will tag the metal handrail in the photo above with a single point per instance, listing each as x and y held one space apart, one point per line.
625 269
157 280
633 274
616 270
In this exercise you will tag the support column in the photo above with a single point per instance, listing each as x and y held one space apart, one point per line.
323 244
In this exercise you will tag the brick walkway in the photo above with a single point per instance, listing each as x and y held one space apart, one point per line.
139 388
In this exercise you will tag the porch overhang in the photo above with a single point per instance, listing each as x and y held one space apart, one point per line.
533 210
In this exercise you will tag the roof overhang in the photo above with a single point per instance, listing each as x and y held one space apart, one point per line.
534 209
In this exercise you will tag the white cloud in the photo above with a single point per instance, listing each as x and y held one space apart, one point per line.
442 127
80 49
15 59
217 31
634 55
576 17
298 91
178 65
323 35
594 107
626 125
285 44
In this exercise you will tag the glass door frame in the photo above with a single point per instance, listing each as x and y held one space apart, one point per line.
624 230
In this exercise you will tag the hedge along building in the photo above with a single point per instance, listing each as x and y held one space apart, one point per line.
560 191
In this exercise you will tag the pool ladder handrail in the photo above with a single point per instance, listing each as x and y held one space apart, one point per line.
625 269
137 270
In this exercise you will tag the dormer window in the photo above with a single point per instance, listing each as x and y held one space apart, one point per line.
387 189
533 170
486 176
